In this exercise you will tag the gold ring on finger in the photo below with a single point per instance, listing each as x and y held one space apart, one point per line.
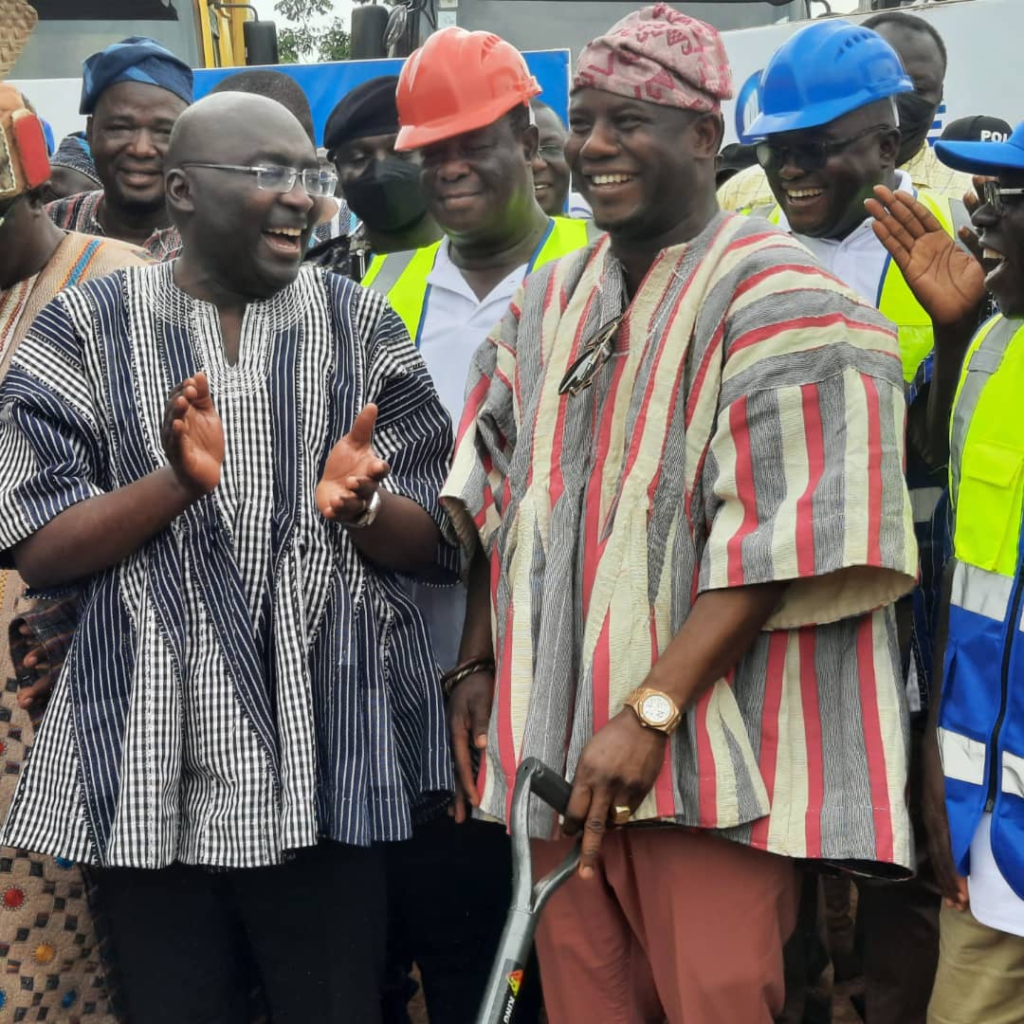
623 813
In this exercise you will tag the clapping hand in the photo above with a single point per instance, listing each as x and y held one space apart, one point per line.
193 436
353 472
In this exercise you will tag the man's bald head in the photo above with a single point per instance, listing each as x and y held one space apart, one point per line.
232 127
241 222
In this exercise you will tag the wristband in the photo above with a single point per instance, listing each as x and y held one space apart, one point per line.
452 678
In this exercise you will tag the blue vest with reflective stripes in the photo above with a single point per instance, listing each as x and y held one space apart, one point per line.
981 720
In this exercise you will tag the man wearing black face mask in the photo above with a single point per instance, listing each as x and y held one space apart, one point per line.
381 187
923 55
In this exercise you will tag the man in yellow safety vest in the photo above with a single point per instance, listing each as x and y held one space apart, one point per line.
464 104
828 134
974 792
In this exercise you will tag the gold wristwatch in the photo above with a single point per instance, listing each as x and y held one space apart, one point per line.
656 710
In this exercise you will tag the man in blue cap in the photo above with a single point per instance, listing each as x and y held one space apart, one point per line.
828 134
133 92
974 793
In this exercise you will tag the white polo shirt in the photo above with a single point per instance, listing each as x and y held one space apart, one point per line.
860 259
454 325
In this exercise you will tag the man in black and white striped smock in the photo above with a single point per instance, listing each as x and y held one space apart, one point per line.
238 455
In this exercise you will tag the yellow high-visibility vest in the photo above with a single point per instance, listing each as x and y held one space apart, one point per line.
402 276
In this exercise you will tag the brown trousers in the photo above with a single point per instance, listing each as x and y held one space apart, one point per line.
675 926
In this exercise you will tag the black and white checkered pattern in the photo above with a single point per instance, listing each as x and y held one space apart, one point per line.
246 681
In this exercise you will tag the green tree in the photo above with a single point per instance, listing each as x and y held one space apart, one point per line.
301 42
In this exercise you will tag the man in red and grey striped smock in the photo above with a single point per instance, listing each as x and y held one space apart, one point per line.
682 490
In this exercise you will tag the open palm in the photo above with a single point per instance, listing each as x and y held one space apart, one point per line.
948 282
194 435
352 472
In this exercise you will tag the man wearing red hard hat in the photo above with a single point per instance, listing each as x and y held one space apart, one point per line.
463 108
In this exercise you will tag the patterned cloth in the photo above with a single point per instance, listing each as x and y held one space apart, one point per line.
776 396
135 59
661 56
268 685
749 189
81 213
74 153
49 960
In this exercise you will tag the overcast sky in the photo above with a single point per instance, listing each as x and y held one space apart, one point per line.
344 8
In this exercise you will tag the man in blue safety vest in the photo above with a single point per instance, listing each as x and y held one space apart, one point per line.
975 779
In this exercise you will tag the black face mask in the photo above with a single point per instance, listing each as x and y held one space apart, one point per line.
916 117
387 195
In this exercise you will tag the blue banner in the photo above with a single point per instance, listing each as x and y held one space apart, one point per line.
325 84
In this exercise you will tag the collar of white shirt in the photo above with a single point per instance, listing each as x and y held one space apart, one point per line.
859 260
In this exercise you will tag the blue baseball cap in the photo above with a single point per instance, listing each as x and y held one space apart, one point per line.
988 158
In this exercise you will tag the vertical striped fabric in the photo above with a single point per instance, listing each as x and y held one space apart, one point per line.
245 682
79 213
748 428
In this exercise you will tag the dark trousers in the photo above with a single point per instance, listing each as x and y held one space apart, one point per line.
898 933
184 938
449 889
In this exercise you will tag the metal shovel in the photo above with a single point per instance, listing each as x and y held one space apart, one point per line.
528 899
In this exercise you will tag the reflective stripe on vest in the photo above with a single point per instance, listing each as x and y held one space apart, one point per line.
402 276
895 301
983 358
981 734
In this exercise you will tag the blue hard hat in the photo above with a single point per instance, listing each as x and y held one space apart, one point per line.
986 158
825 71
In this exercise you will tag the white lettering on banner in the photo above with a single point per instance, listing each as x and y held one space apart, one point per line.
962 758
1013 774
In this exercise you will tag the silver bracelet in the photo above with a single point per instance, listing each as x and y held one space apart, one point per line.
369 514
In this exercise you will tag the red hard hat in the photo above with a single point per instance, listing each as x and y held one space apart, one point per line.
457 82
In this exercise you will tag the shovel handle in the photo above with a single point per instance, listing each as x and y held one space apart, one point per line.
550 787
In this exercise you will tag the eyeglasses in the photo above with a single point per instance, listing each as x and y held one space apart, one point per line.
994 196
316 181
551 151
811 156
596 353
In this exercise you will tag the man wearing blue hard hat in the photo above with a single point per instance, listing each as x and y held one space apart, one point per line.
974 779
922 52
827 135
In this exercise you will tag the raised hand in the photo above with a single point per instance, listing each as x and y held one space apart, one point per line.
193 436
353 472
948 282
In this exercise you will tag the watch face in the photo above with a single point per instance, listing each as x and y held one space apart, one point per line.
657 710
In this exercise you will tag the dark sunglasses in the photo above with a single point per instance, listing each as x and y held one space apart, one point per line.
810 156
994 196
596 353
